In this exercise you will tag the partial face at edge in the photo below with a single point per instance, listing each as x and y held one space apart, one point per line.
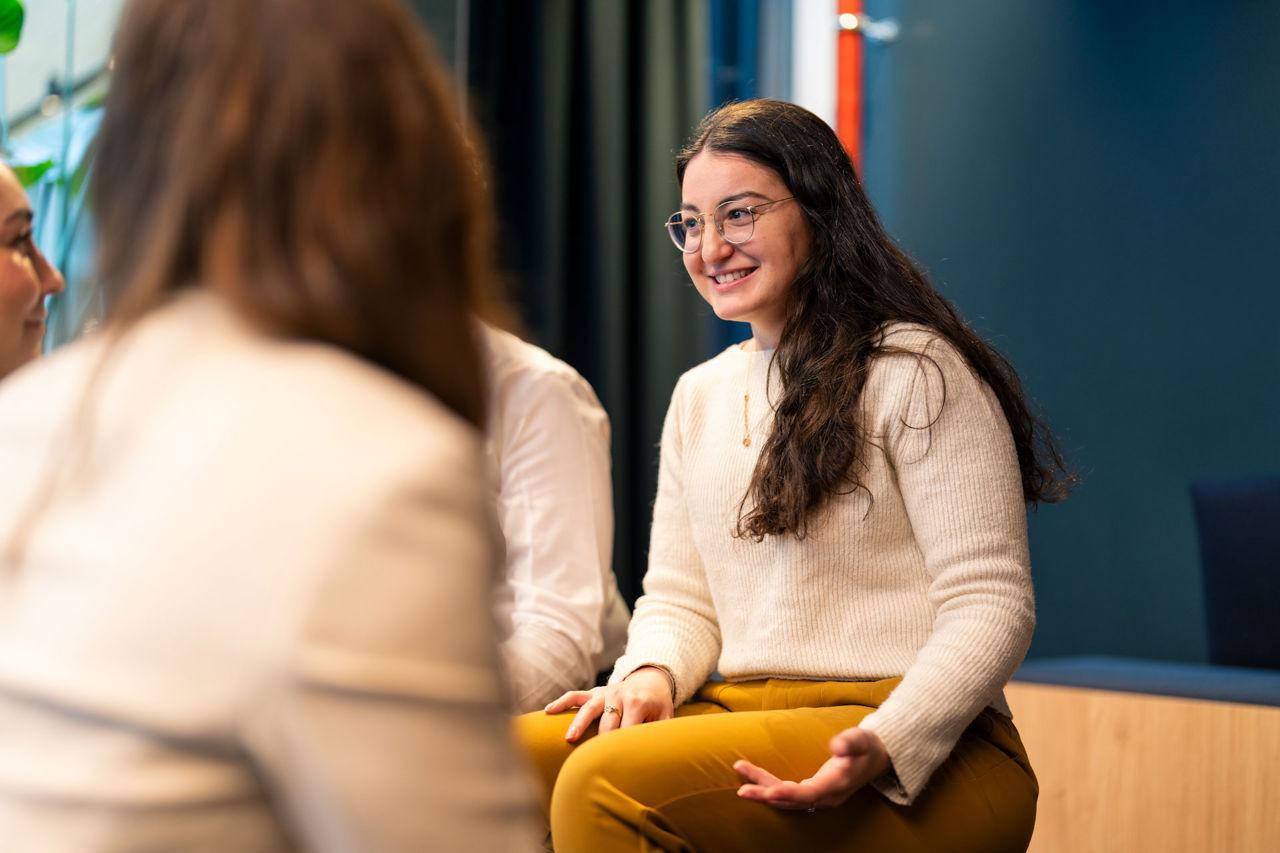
26 278
749 282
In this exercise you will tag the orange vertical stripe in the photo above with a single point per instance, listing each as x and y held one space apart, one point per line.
849 86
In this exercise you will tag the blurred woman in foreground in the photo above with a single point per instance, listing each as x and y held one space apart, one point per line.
26 278
245 556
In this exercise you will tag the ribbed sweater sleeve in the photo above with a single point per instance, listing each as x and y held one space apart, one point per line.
674 624
957 472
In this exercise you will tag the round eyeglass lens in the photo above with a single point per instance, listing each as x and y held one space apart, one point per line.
685 231
735 222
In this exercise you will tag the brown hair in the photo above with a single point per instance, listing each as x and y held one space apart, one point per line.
304 159
854 281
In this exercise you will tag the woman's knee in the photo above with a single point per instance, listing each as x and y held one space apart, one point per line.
590 764
541 737
627 762
647 763
605 790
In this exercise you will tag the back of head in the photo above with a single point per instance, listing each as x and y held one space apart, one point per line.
304 159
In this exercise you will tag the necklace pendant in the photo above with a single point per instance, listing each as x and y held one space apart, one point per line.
746 441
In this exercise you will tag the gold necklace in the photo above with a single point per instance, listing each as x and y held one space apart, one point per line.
746 404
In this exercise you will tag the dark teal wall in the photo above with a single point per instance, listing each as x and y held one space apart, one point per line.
441 18
1097 186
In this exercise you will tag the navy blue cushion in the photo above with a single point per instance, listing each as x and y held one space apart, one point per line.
1190 680
1239 524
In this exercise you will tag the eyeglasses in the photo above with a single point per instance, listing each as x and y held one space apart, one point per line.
735 221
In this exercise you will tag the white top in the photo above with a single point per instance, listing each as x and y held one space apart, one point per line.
256 613
549 441
928 576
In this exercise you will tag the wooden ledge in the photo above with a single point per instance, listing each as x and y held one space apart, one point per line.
1127 772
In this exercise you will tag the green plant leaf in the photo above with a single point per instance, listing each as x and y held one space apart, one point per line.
30 173
12 14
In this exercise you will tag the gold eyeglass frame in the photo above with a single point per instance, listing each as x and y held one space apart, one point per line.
753 209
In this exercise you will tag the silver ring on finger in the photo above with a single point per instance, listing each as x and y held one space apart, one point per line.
612 709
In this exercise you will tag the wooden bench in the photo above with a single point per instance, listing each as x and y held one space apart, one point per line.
1131 772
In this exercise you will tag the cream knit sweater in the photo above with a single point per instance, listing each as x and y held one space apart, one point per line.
929 580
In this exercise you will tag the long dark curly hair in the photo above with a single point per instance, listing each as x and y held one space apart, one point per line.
854 281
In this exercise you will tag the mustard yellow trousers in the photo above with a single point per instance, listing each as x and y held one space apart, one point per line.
671 785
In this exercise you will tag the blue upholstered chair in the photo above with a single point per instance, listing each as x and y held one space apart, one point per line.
1239 525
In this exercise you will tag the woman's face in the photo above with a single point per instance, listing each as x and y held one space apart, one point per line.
748 282
26 278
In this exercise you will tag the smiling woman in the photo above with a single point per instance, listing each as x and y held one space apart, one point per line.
743 268
839 531
26 278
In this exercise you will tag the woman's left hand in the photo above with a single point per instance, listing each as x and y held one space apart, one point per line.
857 757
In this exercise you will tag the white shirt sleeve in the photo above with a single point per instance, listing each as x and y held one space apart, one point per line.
550 438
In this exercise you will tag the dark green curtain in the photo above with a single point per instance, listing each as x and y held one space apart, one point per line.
441 18
584 105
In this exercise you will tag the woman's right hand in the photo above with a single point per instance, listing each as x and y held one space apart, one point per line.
644 696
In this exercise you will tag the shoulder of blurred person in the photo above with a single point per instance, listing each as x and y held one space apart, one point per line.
215 392
215 438
265 470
